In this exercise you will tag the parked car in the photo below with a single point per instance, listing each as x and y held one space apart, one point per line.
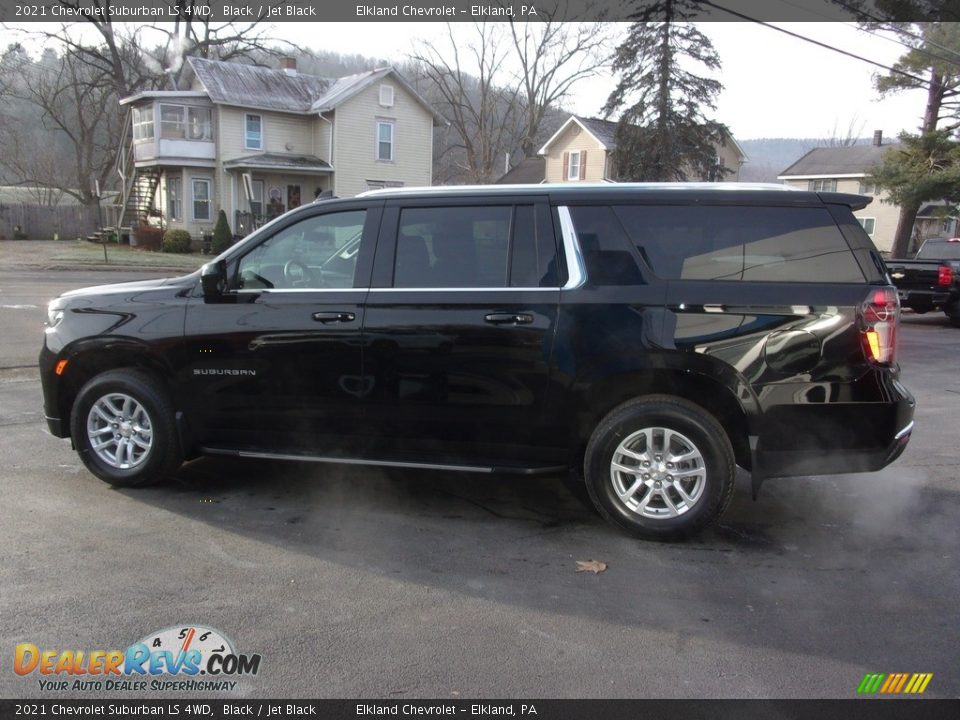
649 338
931 281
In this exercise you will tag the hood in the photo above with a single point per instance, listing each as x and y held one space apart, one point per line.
133 286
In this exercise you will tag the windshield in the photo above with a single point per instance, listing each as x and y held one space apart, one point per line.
939 250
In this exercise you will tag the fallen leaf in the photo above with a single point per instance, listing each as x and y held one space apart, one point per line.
594 566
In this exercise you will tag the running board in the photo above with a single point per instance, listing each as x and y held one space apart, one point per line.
384 463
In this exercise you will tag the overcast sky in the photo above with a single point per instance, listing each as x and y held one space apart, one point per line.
775 85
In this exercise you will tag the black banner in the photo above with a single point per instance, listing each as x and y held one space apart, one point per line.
14 11
859 709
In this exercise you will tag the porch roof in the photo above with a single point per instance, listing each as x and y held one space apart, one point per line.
279 161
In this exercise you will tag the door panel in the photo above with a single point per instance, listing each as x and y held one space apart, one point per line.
279 366
458 353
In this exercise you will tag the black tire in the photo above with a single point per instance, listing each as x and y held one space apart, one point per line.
954 320
164 455
694 424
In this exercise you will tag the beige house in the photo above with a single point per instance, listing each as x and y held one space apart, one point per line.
256 142
846 170
582 150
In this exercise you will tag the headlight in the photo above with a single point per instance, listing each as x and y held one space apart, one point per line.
54 312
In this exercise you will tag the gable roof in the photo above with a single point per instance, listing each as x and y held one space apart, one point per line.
263 88
853 160
252 86
605 133
595 126
345 88
531 171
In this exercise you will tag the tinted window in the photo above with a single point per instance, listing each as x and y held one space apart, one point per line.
471 247
939 250
767 244
317 252
605 247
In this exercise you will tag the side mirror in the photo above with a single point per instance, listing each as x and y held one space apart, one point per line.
213 279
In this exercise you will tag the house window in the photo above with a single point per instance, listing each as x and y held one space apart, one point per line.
174 199
199 126
573 166
253 135
172 123
822 185
386 95
142 123
869 225
201 199
384 140
867 188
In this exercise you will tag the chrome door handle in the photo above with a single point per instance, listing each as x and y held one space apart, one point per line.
509 318
335 316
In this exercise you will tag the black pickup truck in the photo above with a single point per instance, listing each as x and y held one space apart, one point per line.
931 281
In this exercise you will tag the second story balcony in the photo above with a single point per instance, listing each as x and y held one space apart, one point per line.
165 129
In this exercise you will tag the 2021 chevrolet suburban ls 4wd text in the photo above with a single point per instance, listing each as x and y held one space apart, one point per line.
648 337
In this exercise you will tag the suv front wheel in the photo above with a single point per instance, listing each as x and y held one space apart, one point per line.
123 428
660 467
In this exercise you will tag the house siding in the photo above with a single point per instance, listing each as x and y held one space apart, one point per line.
282 133
571 141
354 141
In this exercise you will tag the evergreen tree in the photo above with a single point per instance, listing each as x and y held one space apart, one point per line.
925 167
929 65
222 237
663 132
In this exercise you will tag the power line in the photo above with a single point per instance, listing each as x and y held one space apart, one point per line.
873 32
740 15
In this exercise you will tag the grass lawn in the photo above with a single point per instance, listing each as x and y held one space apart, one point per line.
82 252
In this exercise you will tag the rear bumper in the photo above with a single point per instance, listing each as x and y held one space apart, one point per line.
924 299
835 438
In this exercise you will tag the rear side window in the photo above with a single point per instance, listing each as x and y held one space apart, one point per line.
605 247
472 247
757 244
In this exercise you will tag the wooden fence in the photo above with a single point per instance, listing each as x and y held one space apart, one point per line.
41 222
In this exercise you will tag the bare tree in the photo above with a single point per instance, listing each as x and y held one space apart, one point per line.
554 55
465 79
72 147
143 56
844 137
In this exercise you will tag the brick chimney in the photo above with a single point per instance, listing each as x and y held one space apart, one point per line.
289 65
877 138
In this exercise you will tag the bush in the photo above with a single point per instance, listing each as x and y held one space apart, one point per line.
222 237
148 237
176 241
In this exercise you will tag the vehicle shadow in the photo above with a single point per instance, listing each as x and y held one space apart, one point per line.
792 570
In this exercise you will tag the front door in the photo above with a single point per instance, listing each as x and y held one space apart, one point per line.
459 327
278 367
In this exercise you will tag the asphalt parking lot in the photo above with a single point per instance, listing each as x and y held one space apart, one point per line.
357 582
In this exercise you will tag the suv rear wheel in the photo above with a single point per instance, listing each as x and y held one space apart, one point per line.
660 467
123 428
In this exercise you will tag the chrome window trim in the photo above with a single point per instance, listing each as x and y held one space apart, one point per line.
576 272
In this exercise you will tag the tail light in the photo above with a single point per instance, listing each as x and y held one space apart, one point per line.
945 276
878 318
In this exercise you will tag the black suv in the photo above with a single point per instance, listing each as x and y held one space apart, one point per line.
648 337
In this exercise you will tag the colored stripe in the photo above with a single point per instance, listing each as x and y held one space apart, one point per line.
914 682
899 687
891 679
926 681
870 683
